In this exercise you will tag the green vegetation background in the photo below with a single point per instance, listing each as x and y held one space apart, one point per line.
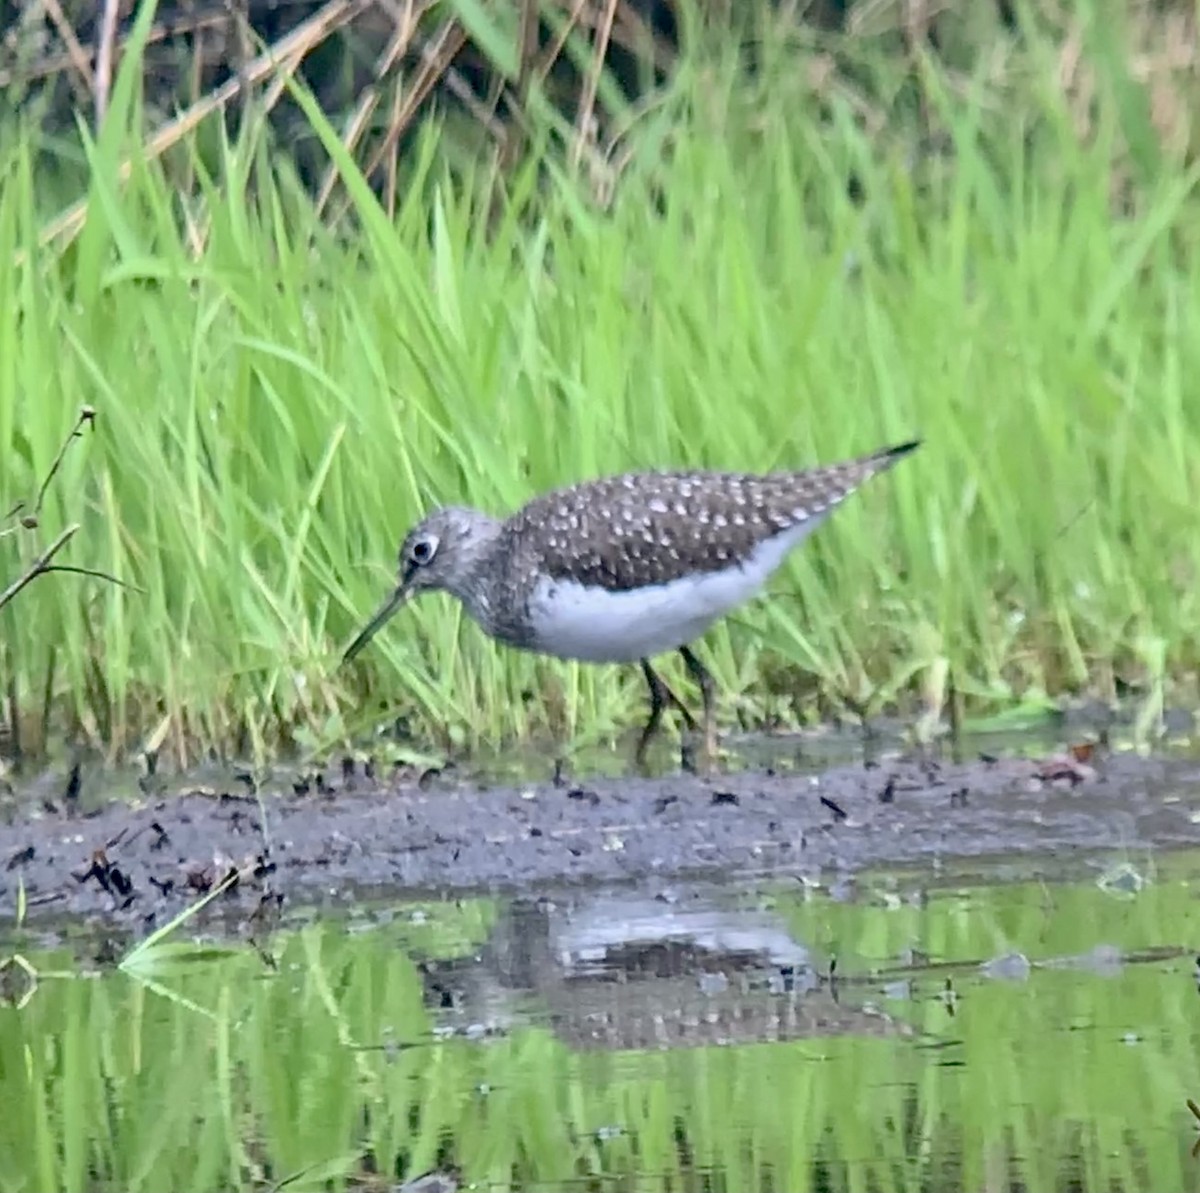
838 249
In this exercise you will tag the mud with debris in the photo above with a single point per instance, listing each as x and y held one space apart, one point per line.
346 832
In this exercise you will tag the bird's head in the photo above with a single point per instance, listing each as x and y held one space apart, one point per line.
440 553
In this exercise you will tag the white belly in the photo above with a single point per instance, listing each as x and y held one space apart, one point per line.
595 625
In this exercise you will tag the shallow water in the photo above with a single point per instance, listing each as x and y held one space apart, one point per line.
1019 1027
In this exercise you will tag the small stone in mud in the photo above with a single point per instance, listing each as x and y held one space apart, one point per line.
271 901
427 776
200 879
121 881
21 857
108 952
263 865
230 797
720 798
239 821
109 877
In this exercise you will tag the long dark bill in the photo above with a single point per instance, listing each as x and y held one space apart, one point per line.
377 622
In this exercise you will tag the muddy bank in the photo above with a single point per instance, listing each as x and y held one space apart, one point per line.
335 835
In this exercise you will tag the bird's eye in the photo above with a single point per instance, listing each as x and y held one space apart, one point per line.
422 550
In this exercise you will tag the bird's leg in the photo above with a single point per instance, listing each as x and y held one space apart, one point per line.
699 673
660 696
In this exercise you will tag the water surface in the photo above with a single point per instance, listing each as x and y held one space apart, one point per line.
1029 1026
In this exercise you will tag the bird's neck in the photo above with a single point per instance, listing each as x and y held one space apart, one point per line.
479 574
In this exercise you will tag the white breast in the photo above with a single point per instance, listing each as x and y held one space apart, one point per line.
595 625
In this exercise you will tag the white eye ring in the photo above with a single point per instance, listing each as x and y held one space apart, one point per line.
424 549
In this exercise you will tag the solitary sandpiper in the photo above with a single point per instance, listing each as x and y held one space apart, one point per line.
620 569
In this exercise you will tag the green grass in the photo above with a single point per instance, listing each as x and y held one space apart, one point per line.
211 1070
276 403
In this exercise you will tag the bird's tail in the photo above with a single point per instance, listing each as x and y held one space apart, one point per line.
887 456
838 481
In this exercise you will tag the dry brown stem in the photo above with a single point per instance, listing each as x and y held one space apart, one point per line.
104 60
285 55
406 22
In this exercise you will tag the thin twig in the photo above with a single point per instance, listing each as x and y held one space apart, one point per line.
635 34
456 84
517 97
160 31
87 418
43 566
13 719
87 414
40 565
436 55
405 28
556 47
391 184
587 102
95 573
104 59
77 54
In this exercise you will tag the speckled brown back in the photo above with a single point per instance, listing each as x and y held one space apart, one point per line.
639 529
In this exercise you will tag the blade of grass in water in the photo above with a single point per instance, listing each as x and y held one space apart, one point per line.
224 1072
